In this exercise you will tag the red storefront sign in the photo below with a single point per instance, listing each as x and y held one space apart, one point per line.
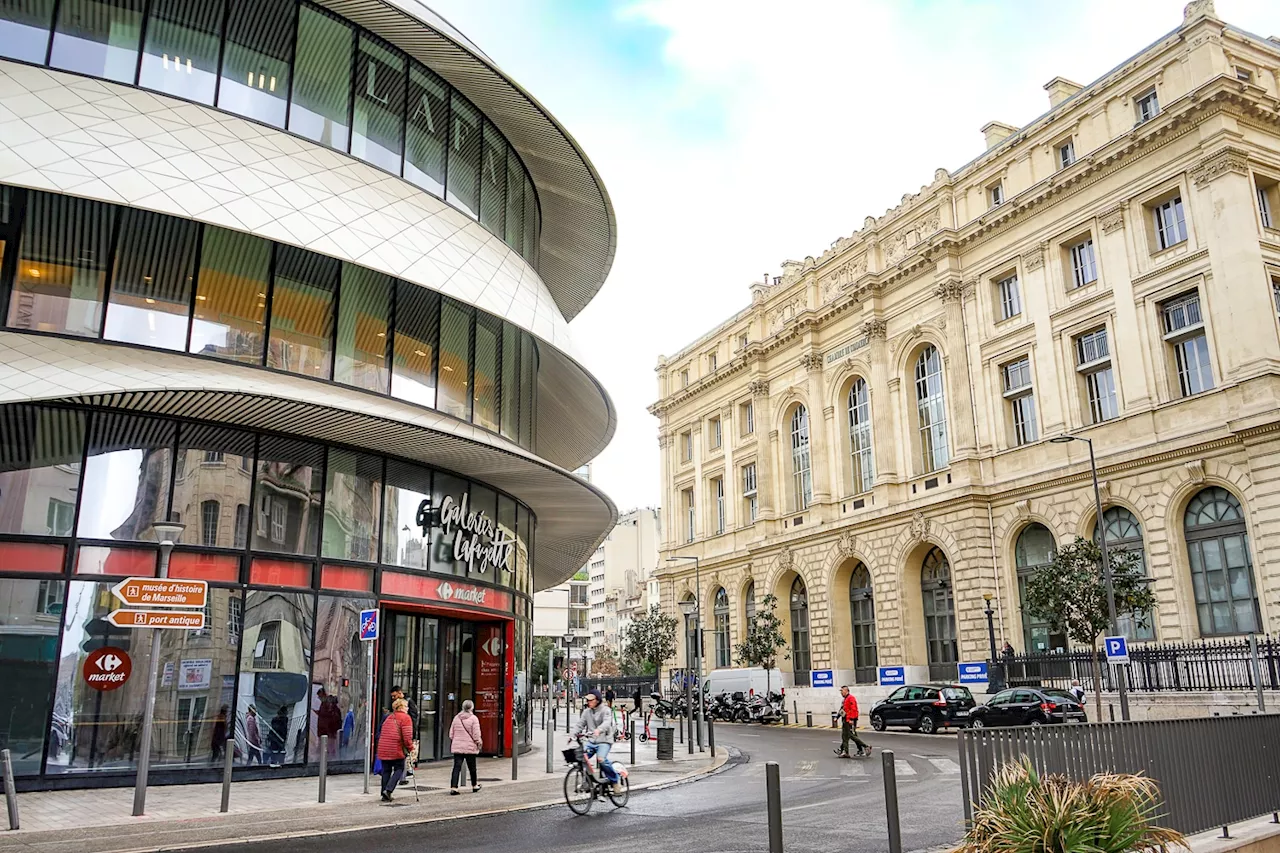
490 665
445 591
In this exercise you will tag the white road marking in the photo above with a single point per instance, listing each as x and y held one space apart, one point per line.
946 765
903 768
806 766
813 805
853 769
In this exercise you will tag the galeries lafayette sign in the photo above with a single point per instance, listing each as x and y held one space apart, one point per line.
478 538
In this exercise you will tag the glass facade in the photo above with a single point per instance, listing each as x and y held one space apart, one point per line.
97 270
291 64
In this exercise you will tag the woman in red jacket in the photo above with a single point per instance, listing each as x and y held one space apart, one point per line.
395 741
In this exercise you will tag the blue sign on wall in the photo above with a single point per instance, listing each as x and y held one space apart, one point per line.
368 624
973 673
893 676
1117 649
822 678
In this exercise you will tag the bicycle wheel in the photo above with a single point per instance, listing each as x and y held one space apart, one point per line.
619 798
579 790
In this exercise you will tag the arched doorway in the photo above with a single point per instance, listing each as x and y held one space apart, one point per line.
720 623
1124 533
939 616
1033 552
862 613
1221 568
800 632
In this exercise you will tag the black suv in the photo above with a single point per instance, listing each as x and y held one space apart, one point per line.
1028 706
924 708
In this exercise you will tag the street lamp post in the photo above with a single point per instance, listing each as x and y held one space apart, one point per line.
568 655
996 676
1121 681
168 533
697 638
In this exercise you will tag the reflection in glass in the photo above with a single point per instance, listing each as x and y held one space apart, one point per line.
364 314
413 376
66 245
523 554
151 285
302 312
24 29
287 496
99 38
530 222
212 484
488 332
231 295
515 205
378 118
483 500
409 503
464 155
322 78
339 706
493 179
352 492
181 52
528 380
30 611
442 560
510 407
506 519
274 689
40 452
255 65
426 130
126 478
455 351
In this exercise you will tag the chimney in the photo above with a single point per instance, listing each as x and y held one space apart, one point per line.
996 132
1059 89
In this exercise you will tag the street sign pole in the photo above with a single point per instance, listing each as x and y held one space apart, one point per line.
167 534
370 626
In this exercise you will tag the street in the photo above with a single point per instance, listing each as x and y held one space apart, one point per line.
829 804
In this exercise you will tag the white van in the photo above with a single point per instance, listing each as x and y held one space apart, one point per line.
743 680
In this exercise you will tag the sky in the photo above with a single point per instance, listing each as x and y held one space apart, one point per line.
735 134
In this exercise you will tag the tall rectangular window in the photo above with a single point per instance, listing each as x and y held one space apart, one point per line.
1184 333
1264 207
531 222
322 78
1022 401
1084 268
995 194
126 480
256 59
99 38
1093 361
455 359
427 130
1148 106
377 130
747 415
484 398
716 435
180 56
528 389
510 381
1066 154
691 518
515 204
214 463
41 449
464 155
717 493
1010 299
24 29
287 491
301 336
364 317
417 333
353 494
231 295
62 265
493 179
1171 224
749 494
686 446
151 285
407 522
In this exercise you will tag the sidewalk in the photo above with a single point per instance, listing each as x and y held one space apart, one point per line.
183 816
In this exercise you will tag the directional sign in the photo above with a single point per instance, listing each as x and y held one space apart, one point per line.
161 592
1117 649
892 676
191 621
973 673
368 624
822 678
107 668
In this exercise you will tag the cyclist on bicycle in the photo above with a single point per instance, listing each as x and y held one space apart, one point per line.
596 724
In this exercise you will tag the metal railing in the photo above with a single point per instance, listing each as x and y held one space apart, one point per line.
1211 771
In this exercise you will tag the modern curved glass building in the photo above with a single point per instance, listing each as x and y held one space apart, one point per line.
298 276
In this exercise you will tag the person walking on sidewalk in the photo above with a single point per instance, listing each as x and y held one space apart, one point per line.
395 741
849 731
465 742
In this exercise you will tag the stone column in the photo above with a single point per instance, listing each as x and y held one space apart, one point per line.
665 441
884 437
819 447
732 488
1129 358
1036 302
956 379
767 454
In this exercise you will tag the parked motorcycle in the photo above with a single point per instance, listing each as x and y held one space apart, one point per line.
665 709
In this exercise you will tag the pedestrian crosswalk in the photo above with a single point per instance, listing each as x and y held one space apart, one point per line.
911 768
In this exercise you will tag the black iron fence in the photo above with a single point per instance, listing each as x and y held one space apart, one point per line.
624 686
1211 771
1209 665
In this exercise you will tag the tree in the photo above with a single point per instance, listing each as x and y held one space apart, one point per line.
543 648
1071 593
764 640
605 663
651 639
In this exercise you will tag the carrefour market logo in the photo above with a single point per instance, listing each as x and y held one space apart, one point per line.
468 594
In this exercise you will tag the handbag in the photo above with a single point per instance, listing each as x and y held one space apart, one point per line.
377 766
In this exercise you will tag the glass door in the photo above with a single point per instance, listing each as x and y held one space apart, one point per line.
426 688
451 644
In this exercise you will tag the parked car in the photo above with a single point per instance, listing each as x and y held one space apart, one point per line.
924 708
1028 706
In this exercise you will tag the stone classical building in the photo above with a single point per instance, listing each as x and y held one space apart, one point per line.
869 441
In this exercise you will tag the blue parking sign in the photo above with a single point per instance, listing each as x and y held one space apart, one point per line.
1117 649
368 624
822 678
893 676
973 673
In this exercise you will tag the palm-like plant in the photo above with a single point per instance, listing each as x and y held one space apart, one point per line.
1025 812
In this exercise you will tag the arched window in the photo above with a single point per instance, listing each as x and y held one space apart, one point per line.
1124 533
863 466
862 611
1034 551
931 411
939 616
721 624
1221 569
749 597
800 632
801 474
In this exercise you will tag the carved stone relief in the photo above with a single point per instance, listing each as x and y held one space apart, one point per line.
1112 220
759 387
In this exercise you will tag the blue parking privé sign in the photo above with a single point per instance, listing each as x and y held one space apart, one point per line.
822 678
368 624
973 673
1117 649
893 676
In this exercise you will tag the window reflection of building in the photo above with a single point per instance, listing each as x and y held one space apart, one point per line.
274 667
30 612
339 706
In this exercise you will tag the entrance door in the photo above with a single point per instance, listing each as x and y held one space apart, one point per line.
427 688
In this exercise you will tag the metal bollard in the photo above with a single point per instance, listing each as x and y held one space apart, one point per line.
551 739
795 711
229 747
891 801
633 743
711 735
808 719
773 792
515 754
324 763
10 793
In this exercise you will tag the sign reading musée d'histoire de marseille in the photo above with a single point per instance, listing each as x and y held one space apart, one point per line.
478 538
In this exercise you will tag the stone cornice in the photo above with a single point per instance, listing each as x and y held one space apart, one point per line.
1169 266
1220 163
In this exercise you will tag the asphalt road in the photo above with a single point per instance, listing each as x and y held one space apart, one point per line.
829 804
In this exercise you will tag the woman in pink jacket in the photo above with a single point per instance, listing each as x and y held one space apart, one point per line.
465 744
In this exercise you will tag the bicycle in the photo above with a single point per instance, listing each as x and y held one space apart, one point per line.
583 786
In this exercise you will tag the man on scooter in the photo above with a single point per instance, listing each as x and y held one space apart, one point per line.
596 722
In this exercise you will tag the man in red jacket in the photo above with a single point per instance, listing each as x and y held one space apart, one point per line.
849 732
